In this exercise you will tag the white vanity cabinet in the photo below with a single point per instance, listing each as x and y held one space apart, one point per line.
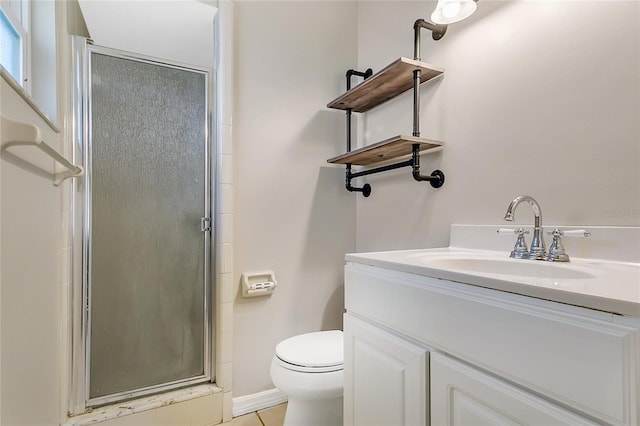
420 351
386 377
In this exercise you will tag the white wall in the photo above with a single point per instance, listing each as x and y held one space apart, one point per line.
538 98
30 280
292 213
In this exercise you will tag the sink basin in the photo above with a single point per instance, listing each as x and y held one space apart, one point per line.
610 283
516 267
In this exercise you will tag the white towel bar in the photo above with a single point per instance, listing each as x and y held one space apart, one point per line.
15 133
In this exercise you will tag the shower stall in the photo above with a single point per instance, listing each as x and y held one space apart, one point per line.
142 318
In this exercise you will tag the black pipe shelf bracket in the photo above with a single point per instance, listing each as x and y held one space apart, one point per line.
375 89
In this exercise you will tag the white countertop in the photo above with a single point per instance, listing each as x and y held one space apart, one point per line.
605 285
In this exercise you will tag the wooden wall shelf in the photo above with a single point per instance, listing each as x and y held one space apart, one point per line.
386 84
401 75
388 149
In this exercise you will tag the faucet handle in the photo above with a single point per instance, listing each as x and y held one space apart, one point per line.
509 231
520 250
581 233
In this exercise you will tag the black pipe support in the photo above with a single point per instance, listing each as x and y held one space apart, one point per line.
366 74
437 32
349 130
366 189
382 169
436 179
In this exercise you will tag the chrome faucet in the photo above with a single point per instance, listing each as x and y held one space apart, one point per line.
537 250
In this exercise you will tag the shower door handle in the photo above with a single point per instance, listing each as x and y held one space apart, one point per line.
205 224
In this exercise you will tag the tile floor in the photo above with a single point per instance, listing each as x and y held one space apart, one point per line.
273 416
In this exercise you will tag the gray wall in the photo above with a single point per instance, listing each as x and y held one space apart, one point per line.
536 99
292 214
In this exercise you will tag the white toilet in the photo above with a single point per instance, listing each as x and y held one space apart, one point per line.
308 369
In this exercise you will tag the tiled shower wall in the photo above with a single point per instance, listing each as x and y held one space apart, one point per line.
224 208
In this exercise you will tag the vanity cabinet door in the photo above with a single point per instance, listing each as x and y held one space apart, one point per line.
464 396
385 377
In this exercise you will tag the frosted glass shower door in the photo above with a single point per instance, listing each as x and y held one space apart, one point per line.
148 190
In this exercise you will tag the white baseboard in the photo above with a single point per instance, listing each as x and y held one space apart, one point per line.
257 401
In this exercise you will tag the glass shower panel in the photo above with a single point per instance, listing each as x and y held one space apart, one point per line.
147 293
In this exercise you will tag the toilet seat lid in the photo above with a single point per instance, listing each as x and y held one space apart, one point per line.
317 350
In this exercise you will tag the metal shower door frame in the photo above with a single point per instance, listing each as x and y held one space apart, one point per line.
79 299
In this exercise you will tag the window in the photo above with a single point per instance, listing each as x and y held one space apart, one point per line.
11 52
28 45
15 40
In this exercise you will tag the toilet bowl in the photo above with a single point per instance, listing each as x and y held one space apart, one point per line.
308 369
